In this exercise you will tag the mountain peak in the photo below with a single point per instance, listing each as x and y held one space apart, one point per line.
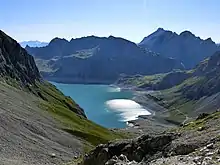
187 33
159 33
209 40
58 40
186 47
160 29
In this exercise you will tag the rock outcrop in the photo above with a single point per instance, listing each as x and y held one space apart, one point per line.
186 145
137 149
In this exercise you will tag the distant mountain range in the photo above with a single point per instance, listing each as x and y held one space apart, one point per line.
186 47
33 44
97 60
102 60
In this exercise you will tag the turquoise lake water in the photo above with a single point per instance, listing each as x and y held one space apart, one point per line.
106 105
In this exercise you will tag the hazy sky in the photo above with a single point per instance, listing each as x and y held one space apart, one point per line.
132 19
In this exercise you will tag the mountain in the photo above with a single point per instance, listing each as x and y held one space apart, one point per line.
184 94
33 44
38 124
97 60
208 79
16 62
186 47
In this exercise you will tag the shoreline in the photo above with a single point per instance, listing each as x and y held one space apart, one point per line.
147 123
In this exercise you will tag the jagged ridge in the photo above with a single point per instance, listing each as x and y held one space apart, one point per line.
97 60
185 47
15 62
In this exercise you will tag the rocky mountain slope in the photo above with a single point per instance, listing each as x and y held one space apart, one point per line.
38 124
185 47
97 60
195 143
15 61
185 94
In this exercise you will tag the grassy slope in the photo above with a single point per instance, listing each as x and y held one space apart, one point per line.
201 123
63 109
178 106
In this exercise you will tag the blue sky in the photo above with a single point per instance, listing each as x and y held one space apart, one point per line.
131 19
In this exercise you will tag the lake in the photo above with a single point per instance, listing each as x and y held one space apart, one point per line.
106 105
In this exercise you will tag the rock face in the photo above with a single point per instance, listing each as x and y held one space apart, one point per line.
97 60
15 62
185 146
186 47
144 146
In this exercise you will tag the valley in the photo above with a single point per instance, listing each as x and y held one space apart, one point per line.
108 101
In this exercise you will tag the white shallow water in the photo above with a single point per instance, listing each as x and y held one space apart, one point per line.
127 109
114 89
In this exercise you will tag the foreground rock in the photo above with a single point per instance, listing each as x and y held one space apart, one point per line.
187 145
